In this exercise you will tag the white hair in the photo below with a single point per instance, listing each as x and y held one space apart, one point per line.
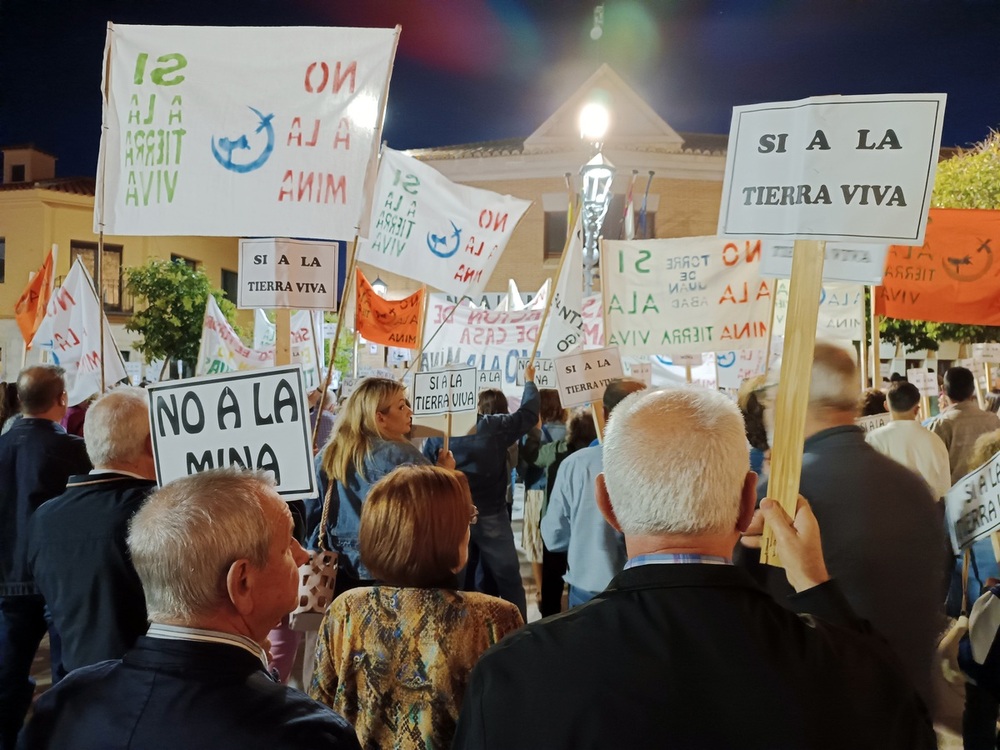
834 380
675 461
117 426
187 534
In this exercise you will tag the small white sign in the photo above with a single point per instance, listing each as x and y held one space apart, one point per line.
845 261
925 381
545 372
489 379
873 422
641 371
836 168
253 419
583 376
288 273
446 391
986 353
134 372
973 505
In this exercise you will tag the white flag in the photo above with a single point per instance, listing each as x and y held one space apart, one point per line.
263 330
425 227
70 331
563 332
222 350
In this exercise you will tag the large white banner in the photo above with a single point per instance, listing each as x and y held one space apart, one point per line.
253 420
685 296
841 311
287 273
841 168
427 228
239 131
71 333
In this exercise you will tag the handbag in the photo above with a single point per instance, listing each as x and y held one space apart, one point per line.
947 649
317 578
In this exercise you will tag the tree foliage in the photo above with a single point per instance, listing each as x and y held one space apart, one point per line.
174 295
970 179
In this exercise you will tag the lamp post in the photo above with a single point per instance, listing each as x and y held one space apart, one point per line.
597 175
379 287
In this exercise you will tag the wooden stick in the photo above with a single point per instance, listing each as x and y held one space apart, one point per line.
597 411
793 398
447 432
864 340
99 291
541 325
876 348
989 380
687 373
604 298
770 329
283 336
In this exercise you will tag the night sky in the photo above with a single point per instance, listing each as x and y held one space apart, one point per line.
473 70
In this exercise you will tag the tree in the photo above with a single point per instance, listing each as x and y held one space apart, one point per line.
175 296
970 179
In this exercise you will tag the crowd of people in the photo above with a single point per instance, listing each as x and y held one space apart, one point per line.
167 608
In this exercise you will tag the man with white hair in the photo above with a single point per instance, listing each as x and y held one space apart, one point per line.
76 542
682 649
883 532
219 568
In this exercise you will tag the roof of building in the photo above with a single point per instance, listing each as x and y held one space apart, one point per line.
27 147
71 185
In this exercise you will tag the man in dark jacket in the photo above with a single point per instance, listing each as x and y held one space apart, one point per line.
76 545
36 458
482 457
219 568
682 649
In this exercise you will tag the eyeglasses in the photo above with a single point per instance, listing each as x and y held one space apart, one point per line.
475 516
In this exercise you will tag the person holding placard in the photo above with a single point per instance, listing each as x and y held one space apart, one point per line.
395 658
962 421
682 650
482 457
369 441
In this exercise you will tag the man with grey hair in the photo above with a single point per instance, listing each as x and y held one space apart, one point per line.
682 649
76 542
219 568
883 531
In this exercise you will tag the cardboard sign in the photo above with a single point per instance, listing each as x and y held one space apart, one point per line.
134 370
545 372
841 311
641 371
276 273
986 353
583 376
453 390
844 261
873 422
925 381
255 419
837 168
489 379
736 366
667 374
973 505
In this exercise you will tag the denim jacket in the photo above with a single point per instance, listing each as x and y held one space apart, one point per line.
344 518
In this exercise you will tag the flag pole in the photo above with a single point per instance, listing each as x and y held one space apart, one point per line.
645 197
548 302
425 344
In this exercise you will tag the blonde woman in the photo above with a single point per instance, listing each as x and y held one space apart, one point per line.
368 442
394 659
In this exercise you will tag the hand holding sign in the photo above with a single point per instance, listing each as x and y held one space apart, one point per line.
529 372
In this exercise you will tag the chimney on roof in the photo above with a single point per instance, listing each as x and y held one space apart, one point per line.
27 164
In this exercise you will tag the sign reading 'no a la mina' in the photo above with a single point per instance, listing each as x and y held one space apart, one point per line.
847 168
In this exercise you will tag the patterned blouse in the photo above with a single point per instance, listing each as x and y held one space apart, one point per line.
395 661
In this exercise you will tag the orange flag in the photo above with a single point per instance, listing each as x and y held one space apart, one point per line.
953 278
389 322
30 308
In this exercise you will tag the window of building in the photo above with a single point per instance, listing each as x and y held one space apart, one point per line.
613 227
189 262
17 173
3 259
230 285
112 280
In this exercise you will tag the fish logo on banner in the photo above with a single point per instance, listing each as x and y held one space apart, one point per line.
427 228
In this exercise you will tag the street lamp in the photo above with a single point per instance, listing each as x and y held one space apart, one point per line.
379 287
597 175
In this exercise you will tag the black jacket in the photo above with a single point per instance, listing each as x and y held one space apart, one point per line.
79 557
693 656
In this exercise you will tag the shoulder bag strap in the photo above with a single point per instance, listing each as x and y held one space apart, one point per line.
321 540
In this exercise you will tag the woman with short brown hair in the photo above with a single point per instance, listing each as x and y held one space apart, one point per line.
394 658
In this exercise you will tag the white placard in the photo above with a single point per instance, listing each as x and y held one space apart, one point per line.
736 366
489 379
845 261
986 354
684 360
925 381
545 372
841 311
134 372
836 168
287 273
641 371
454 391
873 422
239 131
973 505
583 376
255 419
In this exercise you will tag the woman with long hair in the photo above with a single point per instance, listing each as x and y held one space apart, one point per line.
394 659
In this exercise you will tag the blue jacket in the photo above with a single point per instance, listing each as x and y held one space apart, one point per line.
36 459
482 457
344 519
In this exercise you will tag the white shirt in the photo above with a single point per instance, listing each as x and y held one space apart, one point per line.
908 442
